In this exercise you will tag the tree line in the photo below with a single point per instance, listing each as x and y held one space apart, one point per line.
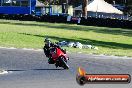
74 3
60 2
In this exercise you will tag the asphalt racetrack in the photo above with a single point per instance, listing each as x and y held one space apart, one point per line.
29 69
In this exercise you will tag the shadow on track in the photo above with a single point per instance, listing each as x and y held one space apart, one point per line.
36 70
16 70
47 69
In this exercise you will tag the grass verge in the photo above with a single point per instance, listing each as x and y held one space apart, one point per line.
30 34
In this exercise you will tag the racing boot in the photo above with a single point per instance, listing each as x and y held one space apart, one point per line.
50 61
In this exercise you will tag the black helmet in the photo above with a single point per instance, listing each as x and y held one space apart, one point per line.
47 42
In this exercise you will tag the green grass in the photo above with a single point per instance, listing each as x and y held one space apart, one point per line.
110 41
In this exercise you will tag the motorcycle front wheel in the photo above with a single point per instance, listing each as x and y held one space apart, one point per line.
63 62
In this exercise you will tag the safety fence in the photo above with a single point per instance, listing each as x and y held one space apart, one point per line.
90 21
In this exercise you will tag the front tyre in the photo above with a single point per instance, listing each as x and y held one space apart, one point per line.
63 63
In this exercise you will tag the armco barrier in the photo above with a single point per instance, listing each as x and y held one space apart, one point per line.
114 23
53 18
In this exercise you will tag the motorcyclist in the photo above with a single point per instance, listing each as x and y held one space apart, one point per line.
48 46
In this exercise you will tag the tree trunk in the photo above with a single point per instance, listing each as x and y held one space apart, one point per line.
66 6
84 8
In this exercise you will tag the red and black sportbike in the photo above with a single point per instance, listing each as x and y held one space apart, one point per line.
59 57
